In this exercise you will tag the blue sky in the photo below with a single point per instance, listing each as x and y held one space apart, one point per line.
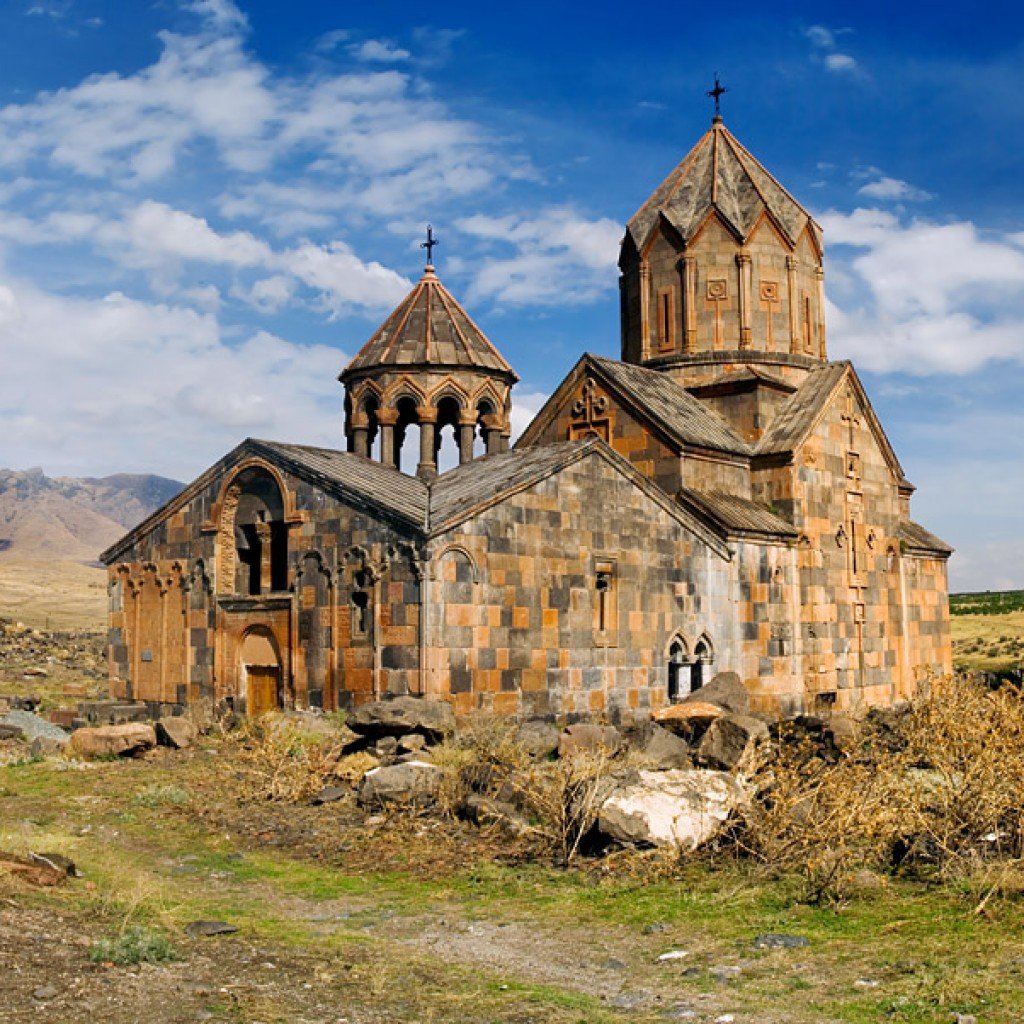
206 208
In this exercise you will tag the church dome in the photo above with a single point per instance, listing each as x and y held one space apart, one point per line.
429 328
720 174
428 367
721 270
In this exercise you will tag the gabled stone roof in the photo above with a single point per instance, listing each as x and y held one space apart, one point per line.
720 174
429 328
736 515
915 538
686 418
795 419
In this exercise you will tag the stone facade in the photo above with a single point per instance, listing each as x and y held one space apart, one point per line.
722 498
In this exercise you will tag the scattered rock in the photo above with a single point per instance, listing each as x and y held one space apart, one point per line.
585 737
44 993
629 1000
433 719
730 741
414 782
58 862
677 809
32 871
46 746
177 732
673 954
613 964
329 795
35 672
538 738
654 928
866 983
660 748
126 740
775 940
726 691
964 1018
689 718
411 743
202 929
482 810
31 725
386 746
727 972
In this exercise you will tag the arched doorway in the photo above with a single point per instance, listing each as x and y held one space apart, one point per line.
261 676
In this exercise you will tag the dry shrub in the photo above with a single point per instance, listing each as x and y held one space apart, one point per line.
936 786
280 760
556 802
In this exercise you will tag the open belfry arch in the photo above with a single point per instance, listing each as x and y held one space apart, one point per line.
723 497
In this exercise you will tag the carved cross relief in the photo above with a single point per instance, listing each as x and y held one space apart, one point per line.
590 416
769 293
716 295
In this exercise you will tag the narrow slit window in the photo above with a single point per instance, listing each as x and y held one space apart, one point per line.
605 604
666 319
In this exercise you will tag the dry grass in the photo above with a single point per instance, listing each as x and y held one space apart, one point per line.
279 760
935 789
53 595
988 642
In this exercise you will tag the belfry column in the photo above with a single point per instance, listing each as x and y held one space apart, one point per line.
794 329
386 419
427 469
743 264
361 437
467 428
645 309
819 277
688 289
263 532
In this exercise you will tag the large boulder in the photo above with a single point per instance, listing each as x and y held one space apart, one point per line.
731 741
31 726
412 782
125 740
680 809
177 733
659 748
538 738
689 718
588 738
725 690
400 716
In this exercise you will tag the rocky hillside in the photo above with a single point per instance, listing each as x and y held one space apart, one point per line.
73 519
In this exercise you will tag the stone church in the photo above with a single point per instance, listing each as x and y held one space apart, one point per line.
723 497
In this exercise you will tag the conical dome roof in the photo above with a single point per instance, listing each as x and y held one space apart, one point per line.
720 174
429 329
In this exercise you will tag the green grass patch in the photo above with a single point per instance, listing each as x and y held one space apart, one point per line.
134 945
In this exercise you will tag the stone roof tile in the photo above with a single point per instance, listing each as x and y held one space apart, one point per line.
686 418
735 514
720 173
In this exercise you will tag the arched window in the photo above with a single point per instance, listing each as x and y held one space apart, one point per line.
253 535
703 655
678 681
407 429
446 437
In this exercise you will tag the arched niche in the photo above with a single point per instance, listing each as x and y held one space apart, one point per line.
678 656
252 534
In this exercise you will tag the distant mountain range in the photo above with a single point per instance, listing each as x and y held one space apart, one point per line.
73 519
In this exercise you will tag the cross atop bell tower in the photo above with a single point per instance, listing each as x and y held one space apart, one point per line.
716 95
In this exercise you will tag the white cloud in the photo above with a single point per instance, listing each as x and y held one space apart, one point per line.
561 257
923 297
885 187
122 377
840 62
824 47
379 50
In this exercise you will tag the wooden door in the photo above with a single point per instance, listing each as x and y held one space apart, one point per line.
263 688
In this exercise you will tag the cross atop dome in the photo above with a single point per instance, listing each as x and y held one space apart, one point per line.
716 95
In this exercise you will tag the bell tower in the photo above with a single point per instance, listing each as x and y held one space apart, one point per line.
722 268
429 366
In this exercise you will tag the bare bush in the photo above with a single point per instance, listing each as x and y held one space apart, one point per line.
935 787
279 760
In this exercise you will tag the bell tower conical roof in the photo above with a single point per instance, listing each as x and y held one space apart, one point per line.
429 328
720 174
427 366
722 270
